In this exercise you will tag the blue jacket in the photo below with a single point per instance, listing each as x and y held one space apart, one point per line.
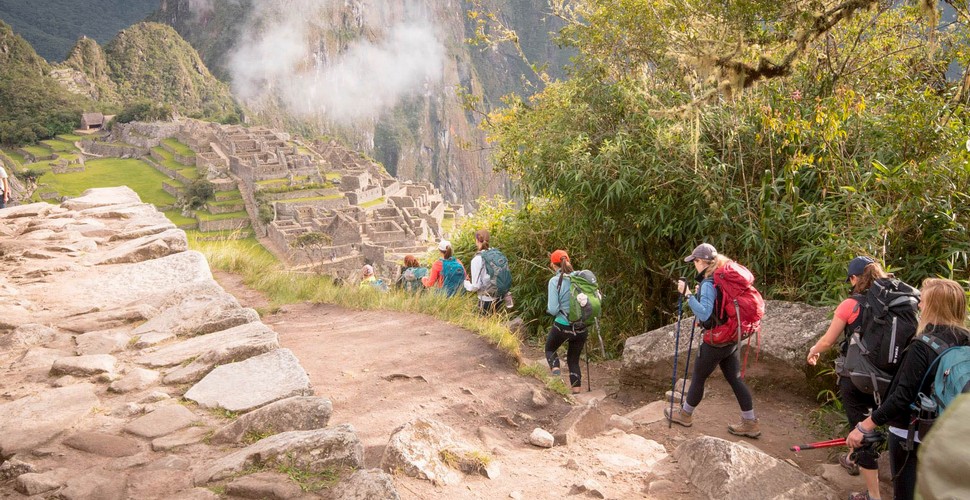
704 306
558 304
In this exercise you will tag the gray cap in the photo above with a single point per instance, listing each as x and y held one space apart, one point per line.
704 251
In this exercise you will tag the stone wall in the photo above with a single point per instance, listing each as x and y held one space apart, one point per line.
223 224
117 150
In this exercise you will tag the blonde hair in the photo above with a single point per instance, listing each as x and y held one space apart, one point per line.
715 264
944 303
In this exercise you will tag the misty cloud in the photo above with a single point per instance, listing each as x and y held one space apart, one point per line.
297 52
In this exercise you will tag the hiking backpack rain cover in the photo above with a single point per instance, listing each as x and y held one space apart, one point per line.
887 322
738 313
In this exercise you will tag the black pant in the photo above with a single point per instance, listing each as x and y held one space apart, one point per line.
857 405
729 359
903 465
577 339
487 307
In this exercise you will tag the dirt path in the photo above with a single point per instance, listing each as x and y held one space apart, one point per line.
381 369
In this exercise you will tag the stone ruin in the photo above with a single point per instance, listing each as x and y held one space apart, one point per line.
124 358
62 166
362 214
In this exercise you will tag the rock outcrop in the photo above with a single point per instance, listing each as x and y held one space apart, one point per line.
112 331
788 330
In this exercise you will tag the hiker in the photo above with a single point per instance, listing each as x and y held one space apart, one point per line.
4 188
862 272
412 274
943 317
447 273
368 279
562 331
709 356
481 276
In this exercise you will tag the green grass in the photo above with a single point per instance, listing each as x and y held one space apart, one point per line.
38 151
372 203
15 156
178 219
330 176
168 161
179 148
223 203
197 237
69 137
228 195
110 172
60 146
448 224
313 198
206 216
191 173
261 271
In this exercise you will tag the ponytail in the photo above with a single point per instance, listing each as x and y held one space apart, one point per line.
565 267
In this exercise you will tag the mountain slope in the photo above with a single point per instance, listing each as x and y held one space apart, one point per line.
52 26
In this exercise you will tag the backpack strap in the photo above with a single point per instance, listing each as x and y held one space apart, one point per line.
940 348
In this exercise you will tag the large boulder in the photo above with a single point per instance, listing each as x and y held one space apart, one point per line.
268 377
32 421
301 413
366 485
788 330
317 450
738 471
427 449
200 308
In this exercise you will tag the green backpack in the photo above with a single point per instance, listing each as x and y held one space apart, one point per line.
585 299
499 276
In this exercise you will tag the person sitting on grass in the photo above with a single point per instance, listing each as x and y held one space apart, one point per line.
412 274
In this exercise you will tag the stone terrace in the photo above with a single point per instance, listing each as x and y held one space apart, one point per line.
124 358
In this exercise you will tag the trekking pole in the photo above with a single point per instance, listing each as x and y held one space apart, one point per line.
589 374
821 444
596 321
673 377
690 346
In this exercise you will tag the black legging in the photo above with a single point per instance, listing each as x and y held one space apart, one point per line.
857 405
903 466
727 357
577 339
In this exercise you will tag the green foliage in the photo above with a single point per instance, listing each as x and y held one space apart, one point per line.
198 193
631 161
109 172
144 111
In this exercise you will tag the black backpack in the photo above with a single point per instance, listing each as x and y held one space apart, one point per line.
886 323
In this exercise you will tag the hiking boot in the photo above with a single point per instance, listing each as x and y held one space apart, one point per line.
851 467
749 428
679 417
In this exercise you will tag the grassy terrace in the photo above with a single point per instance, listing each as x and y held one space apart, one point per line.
312 198
241 236
38 151
168 161
136 174
222 203
373 203
178 147
15 156
178 219
205 216
59 145
228 195
331 176
69 137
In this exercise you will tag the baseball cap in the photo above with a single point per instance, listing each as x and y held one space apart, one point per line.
443 245
557 257
704 251
857 266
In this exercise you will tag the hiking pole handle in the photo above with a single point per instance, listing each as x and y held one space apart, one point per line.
821 444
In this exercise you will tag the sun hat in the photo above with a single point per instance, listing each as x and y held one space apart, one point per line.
704 251
558 256
443 245
857 266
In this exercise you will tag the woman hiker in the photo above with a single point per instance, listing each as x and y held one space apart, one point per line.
706 260
562 331
943 318
479 278
862 272
447 273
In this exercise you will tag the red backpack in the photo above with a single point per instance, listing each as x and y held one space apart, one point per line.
739 311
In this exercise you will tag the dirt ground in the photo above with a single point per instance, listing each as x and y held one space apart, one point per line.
381 369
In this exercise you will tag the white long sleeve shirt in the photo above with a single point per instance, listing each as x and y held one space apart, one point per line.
478 278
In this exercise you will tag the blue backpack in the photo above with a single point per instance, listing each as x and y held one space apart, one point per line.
950 371
453 275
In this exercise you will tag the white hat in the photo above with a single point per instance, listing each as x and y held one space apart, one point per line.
368 270
443 245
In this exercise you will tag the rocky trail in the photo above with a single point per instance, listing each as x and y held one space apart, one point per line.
381 369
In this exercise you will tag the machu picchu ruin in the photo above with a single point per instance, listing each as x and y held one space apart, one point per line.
317 205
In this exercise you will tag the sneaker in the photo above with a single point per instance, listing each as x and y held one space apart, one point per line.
859 496
749 428
679 417
851 467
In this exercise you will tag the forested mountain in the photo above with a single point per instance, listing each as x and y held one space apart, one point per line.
146 62
53 26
